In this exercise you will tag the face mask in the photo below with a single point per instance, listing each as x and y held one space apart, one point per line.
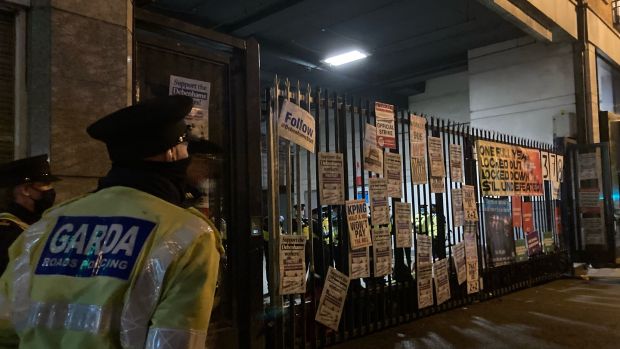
46 201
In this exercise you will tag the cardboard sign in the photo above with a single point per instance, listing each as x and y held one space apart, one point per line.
382 251
471 260
517 220
507 170
359 263
424 274
442 280
332 299
438 185
386 132
292 264
331 178
435 155
458 214
392 171
403 224
297 125
373 155
198 118
379 208
469 203
459 262
417 142
357 219
456 163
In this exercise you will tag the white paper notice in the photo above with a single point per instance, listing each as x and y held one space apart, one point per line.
417 140
297 125
424 274
382 251
435 154
198 117
373 155
386 133
332 299
442 280
357 218
459 262
392 171
331 178
359 263
456 163
379 209
458 214
403 224
469 204
292 264
471 259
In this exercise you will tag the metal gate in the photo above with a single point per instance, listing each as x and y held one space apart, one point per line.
374 303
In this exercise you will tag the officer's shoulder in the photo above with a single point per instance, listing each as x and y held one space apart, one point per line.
9 226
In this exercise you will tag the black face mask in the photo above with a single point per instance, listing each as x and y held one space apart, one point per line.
46 201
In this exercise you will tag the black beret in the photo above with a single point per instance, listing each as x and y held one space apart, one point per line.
33 169
144 129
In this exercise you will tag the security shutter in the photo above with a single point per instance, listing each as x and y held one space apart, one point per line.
7 85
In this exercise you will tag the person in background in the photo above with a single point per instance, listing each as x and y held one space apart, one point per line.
135 268
29 189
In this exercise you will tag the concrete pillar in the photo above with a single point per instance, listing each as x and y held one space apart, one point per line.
80 55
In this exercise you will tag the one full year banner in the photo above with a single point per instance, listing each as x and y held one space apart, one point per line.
508 170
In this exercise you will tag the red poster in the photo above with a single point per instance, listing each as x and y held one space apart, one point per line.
516 212
528 219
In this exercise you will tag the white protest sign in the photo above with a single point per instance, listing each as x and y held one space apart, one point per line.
442 280
386 133
359 263
435 155
403 224
392 171
198 117
292 264
469 203
459 262
331 178
332 299
417 140
357 219
382 251
424 274
456 163
471 258
373 155
458 214
379 208
297 125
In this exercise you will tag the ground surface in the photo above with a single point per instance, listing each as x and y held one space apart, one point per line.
568 313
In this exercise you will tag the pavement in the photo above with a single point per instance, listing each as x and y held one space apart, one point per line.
567 313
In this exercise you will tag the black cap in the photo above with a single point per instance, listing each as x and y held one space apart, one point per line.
33 169
144 129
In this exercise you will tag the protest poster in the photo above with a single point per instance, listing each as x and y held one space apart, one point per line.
373 155
521 250
469 204
442 280
435 155
386 132
331 178
198 118
499 231
392 171
403 224
359 263
528 217
379 208
588 166
357 219
548 242
533 243
438 185
471 258
459 262
560 169
456 163
424 274
517 221
458 214
297 125
589 198
382 251
593 229
292 264
546 165
507 170
332 299
417 140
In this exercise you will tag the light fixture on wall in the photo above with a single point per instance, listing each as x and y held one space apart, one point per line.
615 11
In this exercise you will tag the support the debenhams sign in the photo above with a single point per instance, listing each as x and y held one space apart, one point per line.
297 125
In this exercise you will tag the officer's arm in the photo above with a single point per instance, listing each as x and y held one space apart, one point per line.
8 336
182 316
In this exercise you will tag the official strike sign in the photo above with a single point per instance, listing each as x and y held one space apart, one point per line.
297 125
507 170
386 133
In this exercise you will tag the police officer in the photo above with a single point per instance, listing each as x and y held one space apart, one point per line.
125 266
29 189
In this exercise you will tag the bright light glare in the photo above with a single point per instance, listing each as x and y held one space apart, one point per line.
345 58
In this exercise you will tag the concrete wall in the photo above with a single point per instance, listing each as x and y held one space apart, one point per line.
446 97
519 86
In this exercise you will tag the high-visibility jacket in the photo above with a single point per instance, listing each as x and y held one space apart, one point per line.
423 226
118 268
5 216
